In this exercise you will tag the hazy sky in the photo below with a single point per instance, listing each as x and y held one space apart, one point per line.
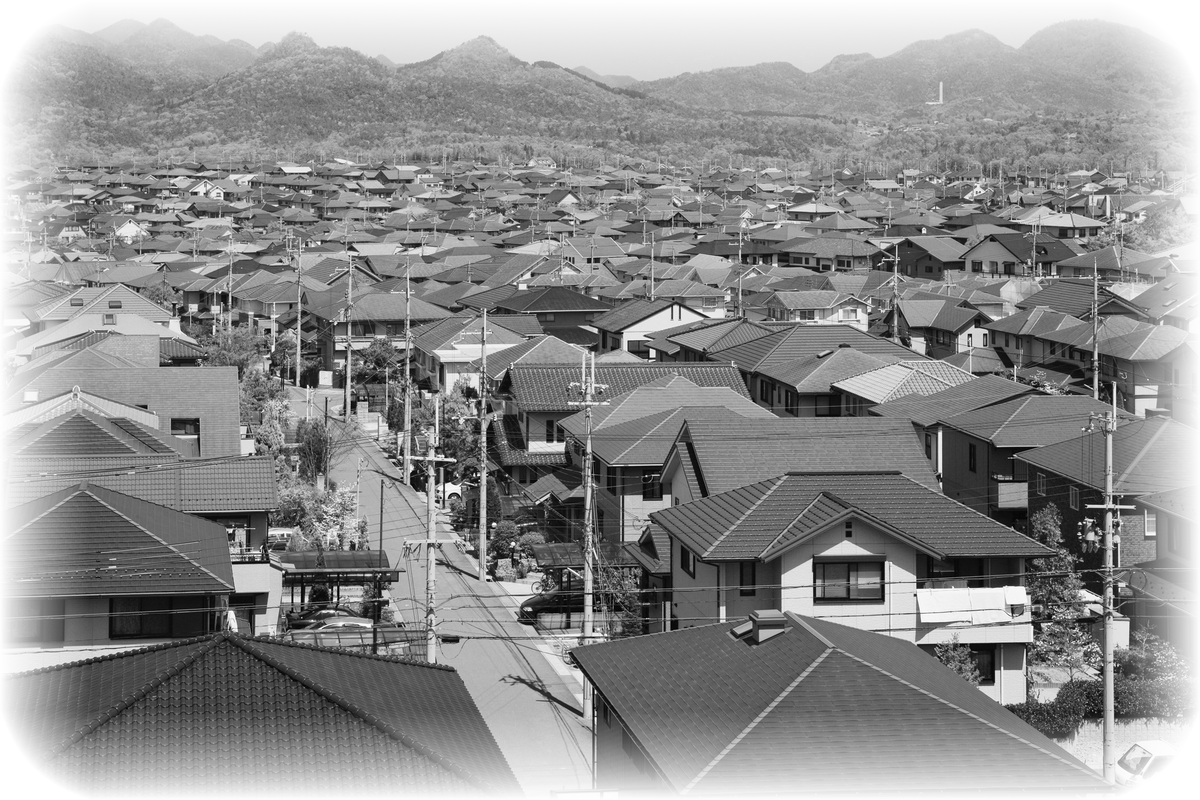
645 39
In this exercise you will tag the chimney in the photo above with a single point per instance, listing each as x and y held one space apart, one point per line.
766 623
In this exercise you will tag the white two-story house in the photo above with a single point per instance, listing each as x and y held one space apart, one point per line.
874 550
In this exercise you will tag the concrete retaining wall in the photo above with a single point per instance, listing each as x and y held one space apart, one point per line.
1087 744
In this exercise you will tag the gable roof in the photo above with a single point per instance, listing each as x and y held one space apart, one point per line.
632 312
785 715
1149 456
976 393
794 341
1034 420
544 387
639 427
760 520
257 713
903 378
735 452
85 540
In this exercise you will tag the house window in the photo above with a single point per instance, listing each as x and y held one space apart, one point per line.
748 578
687 561
828 405
804 314
110 319
984 656
31 620
929 446
710 302
612 480
976 266
547 317
969 340
1073 496
1179 537
1041 484
187 428
764 391
985 340
30 396
77 301
652 486
972 459
1149 525
849 313
843 263
842 581
550 430
792 402
157 617
114 303
604 713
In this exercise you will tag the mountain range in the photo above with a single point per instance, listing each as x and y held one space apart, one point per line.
156 88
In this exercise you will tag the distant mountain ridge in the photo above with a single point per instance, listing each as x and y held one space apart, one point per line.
975 68
155 86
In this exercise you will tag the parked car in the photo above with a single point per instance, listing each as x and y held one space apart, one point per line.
555 601
1156 770
354 632
312 616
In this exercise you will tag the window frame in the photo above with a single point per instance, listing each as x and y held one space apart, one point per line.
1040 481
972 457
1073 497
823 583
747 588
652 485
687 560
1179 537
766 391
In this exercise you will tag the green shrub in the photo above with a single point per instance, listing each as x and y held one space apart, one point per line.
1053 719
1133 698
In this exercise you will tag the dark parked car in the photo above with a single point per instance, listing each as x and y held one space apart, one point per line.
555 601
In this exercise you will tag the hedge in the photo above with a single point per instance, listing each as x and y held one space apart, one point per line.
1133 698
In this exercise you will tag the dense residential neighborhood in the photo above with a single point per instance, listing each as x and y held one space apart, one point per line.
481 478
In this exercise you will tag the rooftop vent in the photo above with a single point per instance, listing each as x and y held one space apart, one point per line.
763 624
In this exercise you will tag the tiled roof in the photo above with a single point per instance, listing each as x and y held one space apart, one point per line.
547 299
1149 456
1036 322
543 349
258 714
763 519
643 435
89 541
739 451
1031 421
817 374
798 341
82 433
976 393
1178 502
628 313
246 483
902 379
544 387
821 708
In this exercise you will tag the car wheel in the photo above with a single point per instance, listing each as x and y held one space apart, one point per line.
454 498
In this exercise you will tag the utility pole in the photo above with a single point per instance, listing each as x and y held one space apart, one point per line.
483 470
1107 424
588 389
1095 330
349 336
407 443
431 460
299 300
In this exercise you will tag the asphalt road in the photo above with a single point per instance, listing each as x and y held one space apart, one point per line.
528 697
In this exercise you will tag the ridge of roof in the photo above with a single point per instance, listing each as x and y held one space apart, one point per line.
388 729
954 706
127 702
816 662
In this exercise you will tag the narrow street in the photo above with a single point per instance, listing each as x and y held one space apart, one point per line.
529 698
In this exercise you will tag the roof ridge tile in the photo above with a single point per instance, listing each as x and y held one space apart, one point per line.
352 708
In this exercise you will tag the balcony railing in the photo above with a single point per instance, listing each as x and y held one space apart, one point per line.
249 555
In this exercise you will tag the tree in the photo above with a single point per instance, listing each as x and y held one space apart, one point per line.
314 448
1062 643
1150 657
236 347
459 425
958 657
1052 581
164 294
255 390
